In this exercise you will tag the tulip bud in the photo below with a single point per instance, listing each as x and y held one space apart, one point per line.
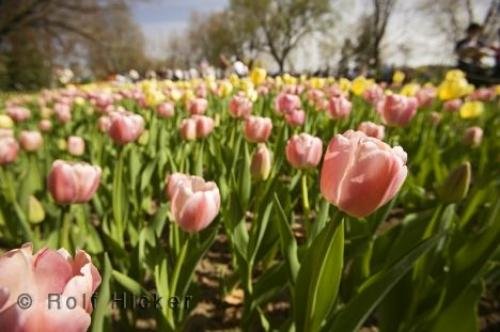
473 136
30 140
456 186
452 105
304 151
188 129
76 146
36 213
194 202
71 183
260 166
295 118
287 102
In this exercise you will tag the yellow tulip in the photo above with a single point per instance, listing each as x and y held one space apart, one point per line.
410 89
6 121
398 77
471 109
258 75
225 88
360 84
344 84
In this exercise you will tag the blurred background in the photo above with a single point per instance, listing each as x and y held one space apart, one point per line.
45 43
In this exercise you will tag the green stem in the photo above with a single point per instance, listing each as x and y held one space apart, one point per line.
65 219
305 203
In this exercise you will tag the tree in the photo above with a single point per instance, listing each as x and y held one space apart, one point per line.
281 24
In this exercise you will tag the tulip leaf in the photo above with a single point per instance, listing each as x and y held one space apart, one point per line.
128 283
464 308
287 242
319 277
146 175
101 308
374 289
258 235
245 180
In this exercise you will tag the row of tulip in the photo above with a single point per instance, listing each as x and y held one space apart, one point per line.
396 220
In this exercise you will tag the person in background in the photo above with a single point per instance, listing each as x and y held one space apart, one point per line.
471 50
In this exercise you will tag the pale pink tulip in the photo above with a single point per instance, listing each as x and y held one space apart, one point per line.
59 287
287 102
339 107
188 129
397 110
31 140
76 146
452 105
426 96
240 107
125 127
483 94
304 151
104 123
45 125
361 173
204 125
373 94
260 165
165 110
197 106
9 149
194 202
18 113
71 183
63 112
295 118
473 136
372 129
257 129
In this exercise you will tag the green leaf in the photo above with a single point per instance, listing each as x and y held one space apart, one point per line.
245 179
103 300
130 284
319 278
256 239
374 289
461 315
287 242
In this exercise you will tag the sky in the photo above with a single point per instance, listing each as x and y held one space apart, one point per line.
160 19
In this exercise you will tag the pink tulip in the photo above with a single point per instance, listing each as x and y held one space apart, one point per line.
18 113
9 149
71 183
473 136
63 113
125 127
204 125
257 129
104 123
45 125
304 151
260 166
197 106
452 105
339 107
165 110
193 202
361 173
287 102
188 129
295 118
31 140
240 107
425 96
397 110
76 146
371 129
483 94
60 288
373 94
